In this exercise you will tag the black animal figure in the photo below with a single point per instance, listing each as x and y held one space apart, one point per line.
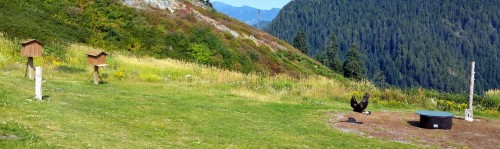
361 106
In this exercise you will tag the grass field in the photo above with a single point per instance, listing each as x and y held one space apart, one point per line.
132 114
150 103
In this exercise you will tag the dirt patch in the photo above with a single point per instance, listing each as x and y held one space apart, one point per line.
404 127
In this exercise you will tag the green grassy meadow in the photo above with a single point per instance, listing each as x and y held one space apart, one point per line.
152 103
130 114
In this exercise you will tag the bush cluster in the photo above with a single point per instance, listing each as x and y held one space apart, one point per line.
450 105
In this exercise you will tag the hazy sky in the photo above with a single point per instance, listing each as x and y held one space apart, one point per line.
261 4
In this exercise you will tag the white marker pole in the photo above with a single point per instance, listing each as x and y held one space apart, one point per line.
38 83
469 112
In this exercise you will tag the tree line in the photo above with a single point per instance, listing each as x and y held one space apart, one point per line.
406 43
353 67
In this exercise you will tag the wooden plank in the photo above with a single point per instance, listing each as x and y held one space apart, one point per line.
102 59
37 50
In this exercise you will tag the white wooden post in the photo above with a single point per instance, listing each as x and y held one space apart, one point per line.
469 112
38 83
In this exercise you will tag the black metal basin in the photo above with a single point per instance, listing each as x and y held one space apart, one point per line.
435 119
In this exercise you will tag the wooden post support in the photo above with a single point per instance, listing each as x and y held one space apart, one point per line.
38 83
96 75
469 112
30 66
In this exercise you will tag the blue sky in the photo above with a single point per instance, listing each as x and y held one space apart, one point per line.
261 4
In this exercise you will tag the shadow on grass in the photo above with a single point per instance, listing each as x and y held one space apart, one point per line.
70 69
352 120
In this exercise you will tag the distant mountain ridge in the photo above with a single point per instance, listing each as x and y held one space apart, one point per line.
246 14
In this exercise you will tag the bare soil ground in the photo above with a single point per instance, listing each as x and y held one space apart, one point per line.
404 127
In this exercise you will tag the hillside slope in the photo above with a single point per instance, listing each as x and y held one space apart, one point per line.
185 30
407 43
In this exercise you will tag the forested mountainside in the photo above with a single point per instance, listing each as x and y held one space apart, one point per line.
186 30
407 43
246 14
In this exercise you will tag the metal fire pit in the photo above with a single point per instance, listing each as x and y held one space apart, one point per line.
435 119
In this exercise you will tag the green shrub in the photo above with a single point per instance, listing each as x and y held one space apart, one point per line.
394 95
57 51
200 52
492 102
227 55
228 36
9 51
104 74
458 98
492 98
119 74
254 56
451 105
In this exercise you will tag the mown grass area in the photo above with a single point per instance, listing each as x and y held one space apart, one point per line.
151 103
130 114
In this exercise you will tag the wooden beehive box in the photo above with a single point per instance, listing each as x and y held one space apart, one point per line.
31 48
96 57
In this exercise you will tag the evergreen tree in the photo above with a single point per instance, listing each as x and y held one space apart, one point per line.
354 66
300 42
331 49
413 43
379 79
322 58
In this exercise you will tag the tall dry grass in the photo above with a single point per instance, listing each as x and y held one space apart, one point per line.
277 88
493 92
492 99
9 51
259 87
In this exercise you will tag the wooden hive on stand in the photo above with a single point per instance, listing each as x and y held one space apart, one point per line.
31 48
96 57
